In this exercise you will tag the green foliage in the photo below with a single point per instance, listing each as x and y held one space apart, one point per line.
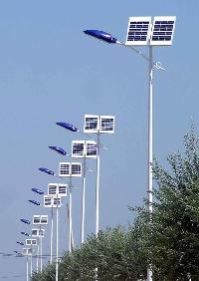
174 236
167 240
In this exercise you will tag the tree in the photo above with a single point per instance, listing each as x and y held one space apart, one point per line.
173 234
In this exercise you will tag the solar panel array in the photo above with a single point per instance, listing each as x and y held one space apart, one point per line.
143 31
68 169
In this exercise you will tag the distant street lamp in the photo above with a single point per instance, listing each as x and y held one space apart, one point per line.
28 253
40 220
98 124
53 200
84 149
70 170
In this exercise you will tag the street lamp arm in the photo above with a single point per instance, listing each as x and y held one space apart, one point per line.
156 65
108 38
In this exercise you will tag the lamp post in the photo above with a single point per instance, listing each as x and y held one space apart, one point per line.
145 31
53 200
37 233
70 170
40 220
31 242
27 252
98 124
84 149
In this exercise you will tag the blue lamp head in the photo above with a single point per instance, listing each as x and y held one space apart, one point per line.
59 150
16 252
25 233
20 243
25 221
47 171
67 126
38 191
101 35
34 202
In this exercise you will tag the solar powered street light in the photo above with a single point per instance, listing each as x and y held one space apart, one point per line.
56 190
53 200
150 32
84 149
37 233
98 124
40 220
70 170
28 253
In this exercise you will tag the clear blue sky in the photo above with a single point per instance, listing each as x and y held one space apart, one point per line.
50 71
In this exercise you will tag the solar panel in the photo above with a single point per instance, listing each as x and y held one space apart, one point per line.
44 219
57 202
107 124
91 149
78 149
91 123
62 190
138 31
52 188
47 201
76 169
162 31
64 169
26 251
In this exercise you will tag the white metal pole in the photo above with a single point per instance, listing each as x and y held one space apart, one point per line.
41 259
70 217
97 186
150 142
57 244
31 264
37 263
51 237
83 200
27 269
